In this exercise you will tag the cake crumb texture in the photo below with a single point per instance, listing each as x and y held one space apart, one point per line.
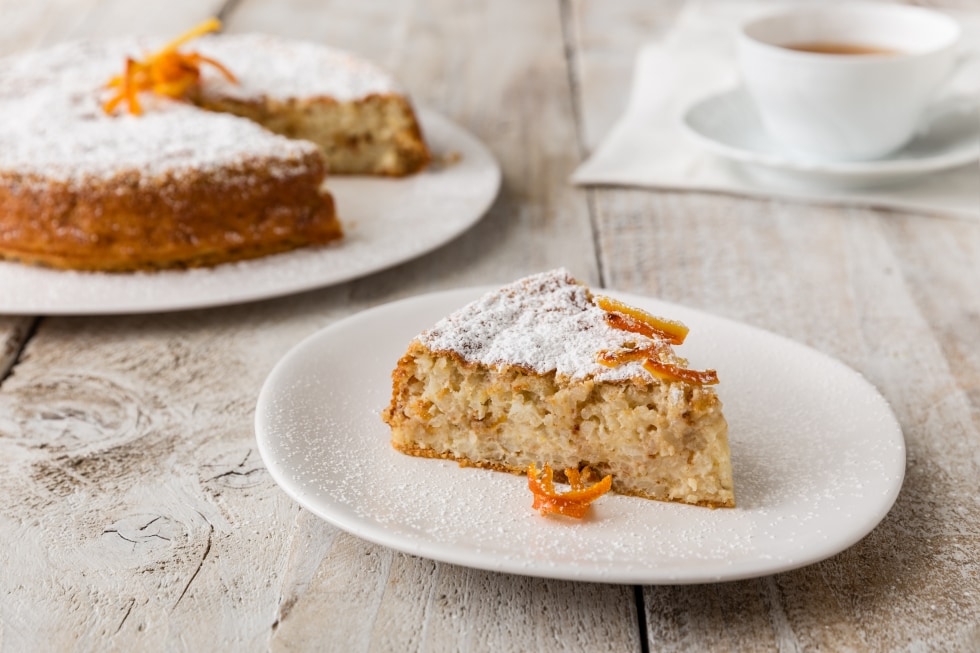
511 380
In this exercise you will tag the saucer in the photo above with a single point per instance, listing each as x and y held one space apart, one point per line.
728 125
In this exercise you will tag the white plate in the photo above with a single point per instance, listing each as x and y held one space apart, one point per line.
818 460
728 124
386 222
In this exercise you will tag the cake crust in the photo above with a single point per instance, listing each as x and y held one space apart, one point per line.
116 225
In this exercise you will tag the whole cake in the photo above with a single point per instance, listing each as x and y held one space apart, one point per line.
539 371
188 183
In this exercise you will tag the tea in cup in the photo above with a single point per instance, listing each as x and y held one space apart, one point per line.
846 82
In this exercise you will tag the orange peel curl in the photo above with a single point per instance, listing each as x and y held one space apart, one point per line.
630 318
669 372
620 356
574 503
167 72
662 331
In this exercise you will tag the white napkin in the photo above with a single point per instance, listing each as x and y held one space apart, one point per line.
648 148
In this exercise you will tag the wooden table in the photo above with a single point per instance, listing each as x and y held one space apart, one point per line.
137 515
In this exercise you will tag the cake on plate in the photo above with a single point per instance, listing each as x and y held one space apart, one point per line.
543 371
188 183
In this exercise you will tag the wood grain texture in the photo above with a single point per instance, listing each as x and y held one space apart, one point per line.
27 25
893 295
602 38
137 514
14 333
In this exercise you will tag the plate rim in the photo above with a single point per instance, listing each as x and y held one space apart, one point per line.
375 532
187 301
883 168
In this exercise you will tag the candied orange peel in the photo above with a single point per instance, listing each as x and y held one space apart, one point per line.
620 356
574 503
166 72
669 372
662 331
630 318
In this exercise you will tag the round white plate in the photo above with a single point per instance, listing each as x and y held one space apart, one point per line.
386 222
818 460
728 124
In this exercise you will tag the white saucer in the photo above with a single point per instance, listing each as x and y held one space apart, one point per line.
728 124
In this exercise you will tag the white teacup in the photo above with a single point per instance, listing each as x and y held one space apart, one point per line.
846 107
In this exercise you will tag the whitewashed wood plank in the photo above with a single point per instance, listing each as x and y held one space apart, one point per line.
534 225
605 37
894 296
139 498
728 616
14 333
511 92
918 569
115 18
129 439
27 25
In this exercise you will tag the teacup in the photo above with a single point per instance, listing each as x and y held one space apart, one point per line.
846 82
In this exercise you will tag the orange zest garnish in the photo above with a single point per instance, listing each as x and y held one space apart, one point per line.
574 503
669 372
616 358
166 72
662 331
634 319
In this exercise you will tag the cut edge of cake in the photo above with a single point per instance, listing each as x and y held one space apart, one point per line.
354 111
376 136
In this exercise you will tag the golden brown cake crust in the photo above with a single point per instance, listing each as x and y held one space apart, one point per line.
121 224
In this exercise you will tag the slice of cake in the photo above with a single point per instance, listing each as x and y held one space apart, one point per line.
537 372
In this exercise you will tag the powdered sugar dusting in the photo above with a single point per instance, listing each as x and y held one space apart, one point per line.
270 67
546 322
52 123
